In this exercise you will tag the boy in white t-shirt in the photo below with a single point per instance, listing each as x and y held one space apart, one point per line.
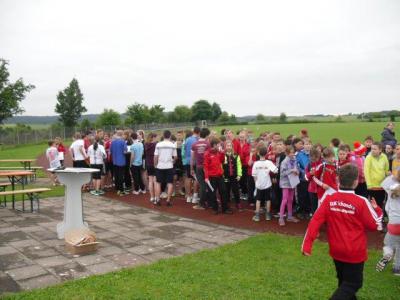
78 152
260 172
54 161
165 155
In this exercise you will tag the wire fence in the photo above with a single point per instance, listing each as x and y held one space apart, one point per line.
25 135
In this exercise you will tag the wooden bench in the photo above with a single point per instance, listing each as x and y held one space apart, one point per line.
33 195
3 187
20 168
33 169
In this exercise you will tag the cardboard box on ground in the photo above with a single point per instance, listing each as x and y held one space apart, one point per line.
80 241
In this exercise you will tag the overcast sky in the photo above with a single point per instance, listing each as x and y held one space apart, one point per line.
298 57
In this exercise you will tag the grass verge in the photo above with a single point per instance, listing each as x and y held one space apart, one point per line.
267 266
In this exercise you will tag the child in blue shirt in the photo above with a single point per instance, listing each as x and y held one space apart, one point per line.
136 164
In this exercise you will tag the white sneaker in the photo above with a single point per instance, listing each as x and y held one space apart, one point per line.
142 191
135 192
188 199
195 200
163 195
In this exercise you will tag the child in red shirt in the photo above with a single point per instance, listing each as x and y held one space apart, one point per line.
348 217
315 161
343 156
325 175
242 148
60 149
213 176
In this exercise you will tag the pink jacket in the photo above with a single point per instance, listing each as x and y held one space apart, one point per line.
358 161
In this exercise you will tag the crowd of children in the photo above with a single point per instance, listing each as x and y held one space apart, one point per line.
287 178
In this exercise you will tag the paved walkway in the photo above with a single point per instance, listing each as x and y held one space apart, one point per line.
32 257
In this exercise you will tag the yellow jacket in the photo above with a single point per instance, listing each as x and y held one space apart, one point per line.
375 170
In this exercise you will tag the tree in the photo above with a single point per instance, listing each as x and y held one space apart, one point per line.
156 114
232 119
216 111
201 110
181 113
223 118
11 94
260 118
392 115
339 119
137 114
85 124
70 104
108 117
282 118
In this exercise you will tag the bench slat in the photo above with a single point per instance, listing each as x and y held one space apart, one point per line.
5 183
28 191
20 168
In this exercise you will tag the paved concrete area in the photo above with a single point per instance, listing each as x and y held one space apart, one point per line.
32 257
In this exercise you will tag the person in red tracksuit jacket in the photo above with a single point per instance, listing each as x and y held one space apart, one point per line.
325 175
315 161
242 148
347 217
213 176
343 156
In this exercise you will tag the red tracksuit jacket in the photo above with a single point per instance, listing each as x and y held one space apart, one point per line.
312 187
325 174
348 217
213 163
341 163
242 150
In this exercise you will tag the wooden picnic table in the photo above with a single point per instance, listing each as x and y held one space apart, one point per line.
26 163
16 177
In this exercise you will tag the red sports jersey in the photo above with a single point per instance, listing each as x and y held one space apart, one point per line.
213 163
343 162
243 150
325 174
348 217
312 187
107 145
61 148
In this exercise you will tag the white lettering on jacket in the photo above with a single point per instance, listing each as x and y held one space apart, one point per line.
343 207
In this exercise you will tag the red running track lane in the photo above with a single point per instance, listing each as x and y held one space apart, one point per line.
239 219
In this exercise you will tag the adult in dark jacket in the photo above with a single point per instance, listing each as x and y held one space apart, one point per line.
388 135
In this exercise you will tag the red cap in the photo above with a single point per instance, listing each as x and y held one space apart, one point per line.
359 149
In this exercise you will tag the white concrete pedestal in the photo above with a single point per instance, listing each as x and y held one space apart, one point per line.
73 179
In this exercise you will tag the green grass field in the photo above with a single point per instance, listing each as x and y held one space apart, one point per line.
267 266
22 152
33 126
27 152
321 132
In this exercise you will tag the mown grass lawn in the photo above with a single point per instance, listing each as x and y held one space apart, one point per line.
267 266
321 132
30 151
27 152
